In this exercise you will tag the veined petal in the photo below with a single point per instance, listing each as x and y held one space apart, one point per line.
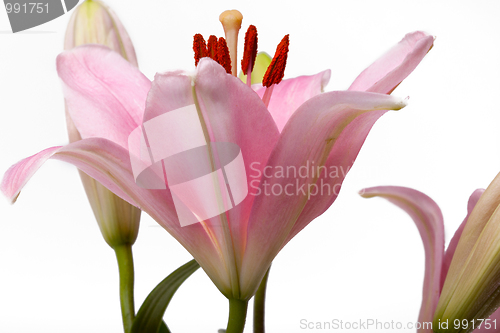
229 111
429 221
470 289
306 141
109 164
385 74
338 165
450 251
18 175
382 77
289 94
105 94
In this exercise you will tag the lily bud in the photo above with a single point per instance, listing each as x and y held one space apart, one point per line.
95 23
471 289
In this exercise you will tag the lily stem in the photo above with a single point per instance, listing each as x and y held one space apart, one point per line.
237 315
259 306
126 270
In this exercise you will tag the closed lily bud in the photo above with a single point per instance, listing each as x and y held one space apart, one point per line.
471 290
95 23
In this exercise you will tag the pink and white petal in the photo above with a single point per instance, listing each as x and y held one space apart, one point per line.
382 77
109 164
386 73
340 160
429 221
289 94
230 112
306 140
17 176
105 94
450 251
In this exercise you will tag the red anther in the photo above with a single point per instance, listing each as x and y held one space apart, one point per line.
250 52
223 55
199 48
212 47
276 69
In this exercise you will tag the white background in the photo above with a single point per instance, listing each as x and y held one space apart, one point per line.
362 259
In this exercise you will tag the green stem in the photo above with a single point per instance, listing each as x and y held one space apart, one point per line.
126 270
259 306
237 315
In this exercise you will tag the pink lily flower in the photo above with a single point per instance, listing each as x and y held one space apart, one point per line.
448 271
302 125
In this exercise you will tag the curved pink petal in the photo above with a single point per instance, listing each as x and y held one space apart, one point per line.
338 164
105 94
230 112
450 251
387 72
109 164
306 140
382 77
289 94
429 221
18 175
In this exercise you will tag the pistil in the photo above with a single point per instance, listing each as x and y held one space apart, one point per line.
231 22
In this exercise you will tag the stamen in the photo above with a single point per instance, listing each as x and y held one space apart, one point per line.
231 22
199 48
223 55
212 47
276 69
267 95
249 53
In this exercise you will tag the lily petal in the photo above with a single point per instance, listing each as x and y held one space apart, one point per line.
450 251
105 94
306 140
18 175
429 221
230 112
341 159
289 94
109 164
382 77
387 72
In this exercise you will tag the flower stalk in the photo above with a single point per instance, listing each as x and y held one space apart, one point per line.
237 315
126 269
259 306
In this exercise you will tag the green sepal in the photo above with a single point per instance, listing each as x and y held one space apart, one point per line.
149 319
